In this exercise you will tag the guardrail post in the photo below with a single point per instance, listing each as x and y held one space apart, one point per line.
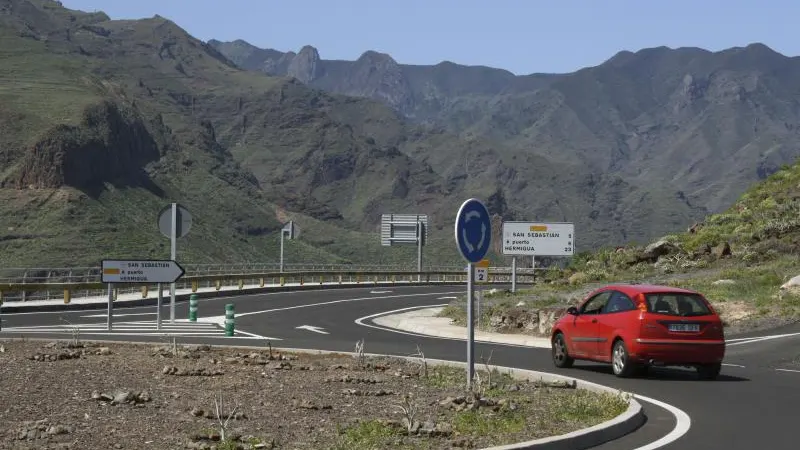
193 308
301 280
144 291
67 296
261 282
229 319
394 279
321 279
283 281
241 284
194 286
217 284
340 279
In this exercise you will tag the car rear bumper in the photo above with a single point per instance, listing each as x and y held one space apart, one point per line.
678 352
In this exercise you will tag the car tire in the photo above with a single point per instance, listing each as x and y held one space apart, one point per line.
558 348
622 366
709 371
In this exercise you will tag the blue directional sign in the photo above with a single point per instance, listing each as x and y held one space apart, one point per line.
473 230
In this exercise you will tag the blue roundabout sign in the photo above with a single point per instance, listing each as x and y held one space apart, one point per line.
473 230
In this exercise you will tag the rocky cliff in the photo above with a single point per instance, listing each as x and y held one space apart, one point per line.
112 144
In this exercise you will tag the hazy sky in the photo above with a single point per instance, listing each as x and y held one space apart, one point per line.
523 36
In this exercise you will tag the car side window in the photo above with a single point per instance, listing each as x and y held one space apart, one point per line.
619 302
595 304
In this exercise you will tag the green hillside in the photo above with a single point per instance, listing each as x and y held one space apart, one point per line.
739 259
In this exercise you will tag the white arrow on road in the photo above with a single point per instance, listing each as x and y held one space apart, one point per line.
312 328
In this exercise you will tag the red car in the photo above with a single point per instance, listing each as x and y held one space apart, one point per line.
637 326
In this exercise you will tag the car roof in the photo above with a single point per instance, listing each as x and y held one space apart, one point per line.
633 289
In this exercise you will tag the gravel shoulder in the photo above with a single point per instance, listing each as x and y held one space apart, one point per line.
84 395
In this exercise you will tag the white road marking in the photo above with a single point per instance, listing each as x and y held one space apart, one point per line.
740 339
346 300
789 370
254 336
447 298
733 365
121 315
311 328
133 328
380 292
761 338
682 424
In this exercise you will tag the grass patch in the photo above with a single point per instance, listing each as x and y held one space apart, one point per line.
482 424
370 434
582 406
456 378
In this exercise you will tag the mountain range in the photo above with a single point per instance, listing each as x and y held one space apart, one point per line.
103 122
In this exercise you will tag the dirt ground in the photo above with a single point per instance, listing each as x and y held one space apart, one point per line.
83 395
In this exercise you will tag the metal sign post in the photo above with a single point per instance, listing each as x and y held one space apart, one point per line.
473 230
513 274
174 222
290 231
173 245
420 230
109 320
159 303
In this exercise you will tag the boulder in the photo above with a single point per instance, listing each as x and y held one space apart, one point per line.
654 251
793 283
722 250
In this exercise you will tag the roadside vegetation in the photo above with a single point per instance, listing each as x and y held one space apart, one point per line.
738 259
115 395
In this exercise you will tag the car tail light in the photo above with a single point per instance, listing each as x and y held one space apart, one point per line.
641 304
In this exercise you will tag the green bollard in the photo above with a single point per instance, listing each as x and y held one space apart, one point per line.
193 308
229 320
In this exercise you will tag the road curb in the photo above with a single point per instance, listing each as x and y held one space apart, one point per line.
408 325
8 308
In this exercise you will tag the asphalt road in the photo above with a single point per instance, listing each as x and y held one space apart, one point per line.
751 405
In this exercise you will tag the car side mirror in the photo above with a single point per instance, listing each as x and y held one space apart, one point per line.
572 311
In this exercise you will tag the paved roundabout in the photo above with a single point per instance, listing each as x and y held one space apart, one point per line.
751 405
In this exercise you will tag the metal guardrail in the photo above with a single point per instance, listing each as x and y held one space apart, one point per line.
69 290
89 274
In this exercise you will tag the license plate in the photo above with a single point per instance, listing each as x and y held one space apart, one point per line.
684 327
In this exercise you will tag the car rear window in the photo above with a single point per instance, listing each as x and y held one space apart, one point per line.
676 304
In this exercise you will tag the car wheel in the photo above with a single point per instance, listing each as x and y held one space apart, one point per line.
561 357
620 363
709 371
